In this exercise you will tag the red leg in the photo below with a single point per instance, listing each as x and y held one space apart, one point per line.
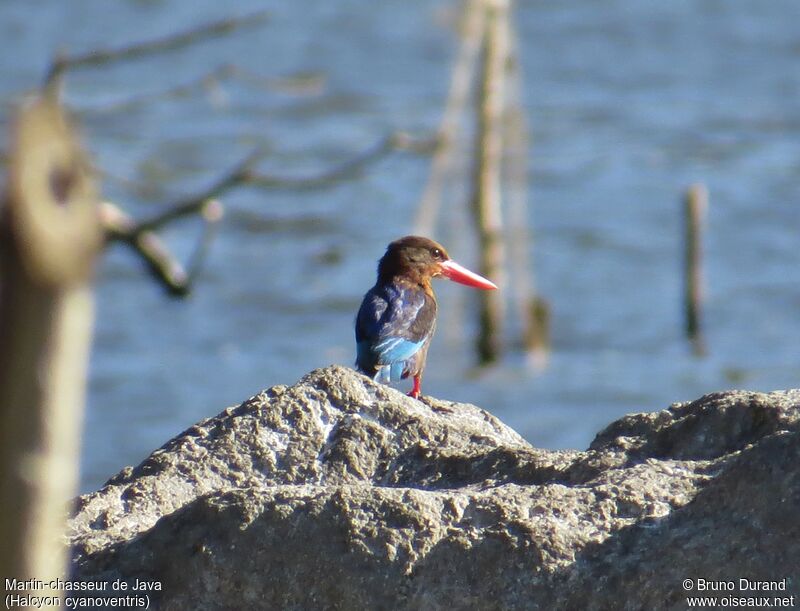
416 391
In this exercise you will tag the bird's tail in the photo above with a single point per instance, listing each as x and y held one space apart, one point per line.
390 373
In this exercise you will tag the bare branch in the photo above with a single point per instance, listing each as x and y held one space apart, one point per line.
161 264
347 169
245 173
350 168
136 50
204 81
302 83
464 73
141 236
298 85
187 206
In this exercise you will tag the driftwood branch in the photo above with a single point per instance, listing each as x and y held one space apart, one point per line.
141 235
162 265
51 236
188 206
137 50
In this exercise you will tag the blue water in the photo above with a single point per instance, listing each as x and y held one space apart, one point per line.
628 103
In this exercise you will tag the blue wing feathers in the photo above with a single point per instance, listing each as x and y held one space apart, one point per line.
393 328
394 349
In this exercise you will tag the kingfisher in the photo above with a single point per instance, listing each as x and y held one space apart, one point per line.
397 317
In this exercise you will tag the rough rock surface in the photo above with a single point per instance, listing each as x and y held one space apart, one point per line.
337 493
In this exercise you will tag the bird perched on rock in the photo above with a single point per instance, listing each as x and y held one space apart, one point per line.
397 318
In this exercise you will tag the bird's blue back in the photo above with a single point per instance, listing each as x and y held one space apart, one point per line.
394 326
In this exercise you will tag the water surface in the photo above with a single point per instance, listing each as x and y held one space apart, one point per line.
628 103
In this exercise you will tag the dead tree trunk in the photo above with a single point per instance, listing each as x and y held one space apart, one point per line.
532 311
458 98
50 236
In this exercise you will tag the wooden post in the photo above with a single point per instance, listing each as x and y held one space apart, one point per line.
487 175
532 311
695 207
49 236
464 71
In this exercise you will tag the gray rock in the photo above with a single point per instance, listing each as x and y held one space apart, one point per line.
337 493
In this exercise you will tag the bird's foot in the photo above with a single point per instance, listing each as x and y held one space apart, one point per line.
416 392
415 395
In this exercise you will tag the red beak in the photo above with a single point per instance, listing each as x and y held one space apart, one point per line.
455 272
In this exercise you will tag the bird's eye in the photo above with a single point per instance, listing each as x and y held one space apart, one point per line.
437 254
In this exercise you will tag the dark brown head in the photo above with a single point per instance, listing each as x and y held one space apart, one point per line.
417 259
